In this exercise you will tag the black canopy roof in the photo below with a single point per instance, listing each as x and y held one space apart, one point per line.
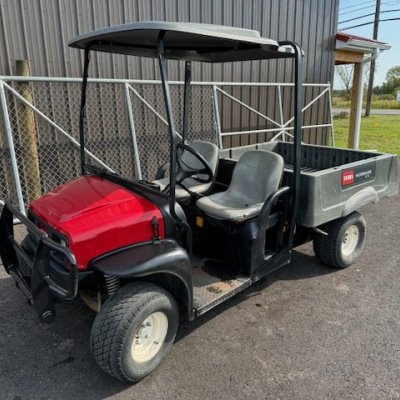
183 41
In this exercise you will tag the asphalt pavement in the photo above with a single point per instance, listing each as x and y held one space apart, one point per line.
307 332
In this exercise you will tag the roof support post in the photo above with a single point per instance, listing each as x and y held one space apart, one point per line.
187 99
356 101
356 105
298 123
171 123
82 115
173 135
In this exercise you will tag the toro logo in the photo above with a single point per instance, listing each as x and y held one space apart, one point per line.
347 177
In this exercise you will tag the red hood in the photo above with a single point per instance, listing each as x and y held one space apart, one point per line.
97 216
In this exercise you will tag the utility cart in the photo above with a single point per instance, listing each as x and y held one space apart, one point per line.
146 255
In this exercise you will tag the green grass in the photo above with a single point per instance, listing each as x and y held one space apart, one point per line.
380 132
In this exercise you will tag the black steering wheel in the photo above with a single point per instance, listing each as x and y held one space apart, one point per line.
184 170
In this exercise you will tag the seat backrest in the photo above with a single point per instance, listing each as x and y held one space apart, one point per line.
256 175
208 150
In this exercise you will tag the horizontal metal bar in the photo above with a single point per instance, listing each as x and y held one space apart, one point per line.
290 128
275 130
55 126
251 131
150 82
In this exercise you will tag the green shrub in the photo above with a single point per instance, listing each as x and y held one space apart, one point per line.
377 102
388 96
386 104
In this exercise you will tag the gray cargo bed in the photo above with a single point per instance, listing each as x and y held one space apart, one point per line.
334 181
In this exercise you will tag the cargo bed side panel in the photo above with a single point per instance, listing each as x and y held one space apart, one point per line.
336 192
334 181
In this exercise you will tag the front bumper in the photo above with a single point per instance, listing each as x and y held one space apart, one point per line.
46 281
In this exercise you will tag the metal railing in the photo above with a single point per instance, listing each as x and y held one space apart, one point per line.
282 127
126 125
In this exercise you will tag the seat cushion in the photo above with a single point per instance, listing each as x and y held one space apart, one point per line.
223 206
256 175
180 193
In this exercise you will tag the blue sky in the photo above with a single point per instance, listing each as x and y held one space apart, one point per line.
389 32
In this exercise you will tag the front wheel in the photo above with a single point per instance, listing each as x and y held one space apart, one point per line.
134 331
344 242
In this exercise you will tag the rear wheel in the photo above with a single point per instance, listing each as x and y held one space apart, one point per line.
134 330
344 242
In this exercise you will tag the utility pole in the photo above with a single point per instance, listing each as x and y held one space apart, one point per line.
372 69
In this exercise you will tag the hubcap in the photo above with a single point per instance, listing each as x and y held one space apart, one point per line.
149 337
350 240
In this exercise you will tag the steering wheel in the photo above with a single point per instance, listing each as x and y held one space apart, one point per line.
184 170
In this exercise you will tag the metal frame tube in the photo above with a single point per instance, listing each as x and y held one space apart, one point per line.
252 131
173 136
171 123
187 97
308 105
133 132
281 111
82 119
151 82
298 122
247 106
10 141
217 120
152 109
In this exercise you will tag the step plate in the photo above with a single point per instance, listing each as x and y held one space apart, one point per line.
211 287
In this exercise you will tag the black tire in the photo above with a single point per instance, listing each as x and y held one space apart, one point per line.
121 319
329 248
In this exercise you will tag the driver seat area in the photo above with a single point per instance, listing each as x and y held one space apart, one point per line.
210 153
256 175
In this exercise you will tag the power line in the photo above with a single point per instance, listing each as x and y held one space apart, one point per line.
358 9
369 23
389 3
367 15
357 4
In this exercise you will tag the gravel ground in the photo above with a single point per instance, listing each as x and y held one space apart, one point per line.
306 332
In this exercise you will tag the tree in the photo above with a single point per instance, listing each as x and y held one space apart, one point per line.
345 73
392 83
393 73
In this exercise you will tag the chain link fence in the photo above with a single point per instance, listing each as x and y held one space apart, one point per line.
39 128
152 129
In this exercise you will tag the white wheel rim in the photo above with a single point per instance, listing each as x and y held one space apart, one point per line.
350 240
149 337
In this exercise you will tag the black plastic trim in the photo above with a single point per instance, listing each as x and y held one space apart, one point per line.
147 259
48 281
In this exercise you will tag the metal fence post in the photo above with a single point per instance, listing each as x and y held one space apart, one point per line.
216 117
133 131
7 126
